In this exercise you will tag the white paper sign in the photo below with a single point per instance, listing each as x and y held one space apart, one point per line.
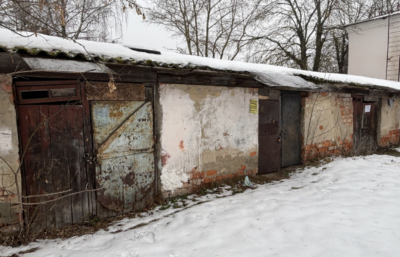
368 108
5 140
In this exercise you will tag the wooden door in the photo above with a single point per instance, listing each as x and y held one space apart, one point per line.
290 135
124 146
269 141
56 142
52 136
369 125
364 126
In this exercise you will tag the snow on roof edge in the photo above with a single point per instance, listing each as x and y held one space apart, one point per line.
384 16
54 46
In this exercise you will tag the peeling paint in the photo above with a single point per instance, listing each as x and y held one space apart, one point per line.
201 125
123 134
389 125
172 179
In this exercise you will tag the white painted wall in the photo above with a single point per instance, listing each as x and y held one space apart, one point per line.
368 49
202 123
9 152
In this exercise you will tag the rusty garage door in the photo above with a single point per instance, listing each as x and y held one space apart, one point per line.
124 147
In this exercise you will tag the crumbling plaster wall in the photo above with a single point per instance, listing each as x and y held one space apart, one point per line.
389 125
327 125
207 133
9 152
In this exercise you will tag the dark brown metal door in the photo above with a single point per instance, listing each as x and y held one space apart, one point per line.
290 133
364 125
269 142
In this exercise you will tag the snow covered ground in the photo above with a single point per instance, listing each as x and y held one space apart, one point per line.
348 207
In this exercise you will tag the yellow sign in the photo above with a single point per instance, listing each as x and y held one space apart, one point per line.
254 106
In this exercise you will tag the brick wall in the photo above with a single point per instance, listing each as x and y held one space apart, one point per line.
392 138
327 125
389 126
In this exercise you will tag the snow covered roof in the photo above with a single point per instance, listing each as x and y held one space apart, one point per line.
372 19
28 43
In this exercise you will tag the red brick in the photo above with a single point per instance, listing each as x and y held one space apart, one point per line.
198 175
211 173
252 154
208 180
243 167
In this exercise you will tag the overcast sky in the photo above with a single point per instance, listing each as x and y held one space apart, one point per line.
137 33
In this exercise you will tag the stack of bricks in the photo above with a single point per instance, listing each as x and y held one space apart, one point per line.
392 138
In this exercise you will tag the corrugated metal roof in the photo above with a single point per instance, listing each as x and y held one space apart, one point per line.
42 45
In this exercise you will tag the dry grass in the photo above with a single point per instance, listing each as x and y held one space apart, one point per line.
389 151
95 224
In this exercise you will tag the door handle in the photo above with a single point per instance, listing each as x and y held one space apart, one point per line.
86 157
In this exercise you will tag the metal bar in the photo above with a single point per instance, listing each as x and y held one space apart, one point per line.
119 154
122 123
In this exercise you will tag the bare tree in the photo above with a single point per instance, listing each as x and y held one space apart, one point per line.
381 7
309 34
337 48
348 12
295 37
83 19
209 28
